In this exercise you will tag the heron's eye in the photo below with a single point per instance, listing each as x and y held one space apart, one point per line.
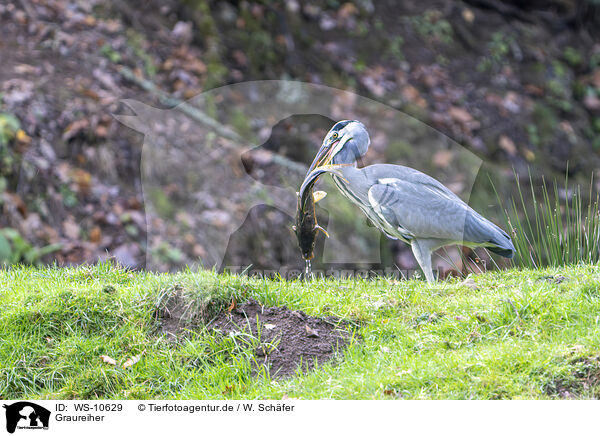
335 135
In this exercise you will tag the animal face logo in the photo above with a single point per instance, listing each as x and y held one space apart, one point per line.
194 176
26 415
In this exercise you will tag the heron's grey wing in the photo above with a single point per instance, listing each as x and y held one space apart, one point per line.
419 210
407 174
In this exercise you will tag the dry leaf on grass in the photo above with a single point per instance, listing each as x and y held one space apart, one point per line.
233 305
108 359
133 360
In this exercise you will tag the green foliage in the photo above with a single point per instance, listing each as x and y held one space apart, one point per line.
533 134
136 42
241 123
69 197
546 121
216 73
166 252
499 46
110 53
573 56
9 126
554 227
594 60
203 17
393 49
15 249
432 27
498 51
163 205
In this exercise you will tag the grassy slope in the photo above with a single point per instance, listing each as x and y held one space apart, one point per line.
517 335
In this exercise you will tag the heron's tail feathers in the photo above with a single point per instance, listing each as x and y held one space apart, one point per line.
504 252
486 233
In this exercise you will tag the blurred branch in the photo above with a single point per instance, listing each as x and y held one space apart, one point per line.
196 114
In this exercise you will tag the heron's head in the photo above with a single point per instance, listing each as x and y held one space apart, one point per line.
344 144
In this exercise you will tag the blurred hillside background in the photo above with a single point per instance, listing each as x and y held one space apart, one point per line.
517 83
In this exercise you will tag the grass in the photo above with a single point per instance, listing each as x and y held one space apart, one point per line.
511 334
553 227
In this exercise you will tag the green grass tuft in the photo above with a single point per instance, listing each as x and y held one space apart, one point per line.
553 227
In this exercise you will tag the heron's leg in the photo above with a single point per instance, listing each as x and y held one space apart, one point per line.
422 249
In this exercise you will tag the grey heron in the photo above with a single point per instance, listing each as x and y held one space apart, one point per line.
404 203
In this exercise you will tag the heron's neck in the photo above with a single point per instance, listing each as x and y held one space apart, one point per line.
339 161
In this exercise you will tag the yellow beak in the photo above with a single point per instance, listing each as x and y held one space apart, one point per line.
324 156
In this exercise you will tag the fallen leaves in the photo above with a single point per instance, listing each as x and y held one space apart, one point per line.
26 69
75 128
128 363
107 359
411 94
468 15
22 137
70 228
507 145
133 360
310 332
95 235
82 179
347 10
459 114
233 305
464 119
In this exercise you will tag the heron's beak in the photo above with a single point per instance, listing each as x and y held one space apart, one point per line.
324 155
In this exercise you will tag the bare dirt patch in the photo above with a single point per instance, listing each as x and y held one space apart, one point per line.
285 339
289 339
583 381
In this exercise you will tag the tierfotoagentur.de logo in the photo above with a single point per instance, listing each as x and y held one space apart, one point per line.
24 415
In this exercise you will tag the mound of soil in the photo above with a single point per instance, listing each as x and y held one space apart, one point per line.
289 338
583 380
